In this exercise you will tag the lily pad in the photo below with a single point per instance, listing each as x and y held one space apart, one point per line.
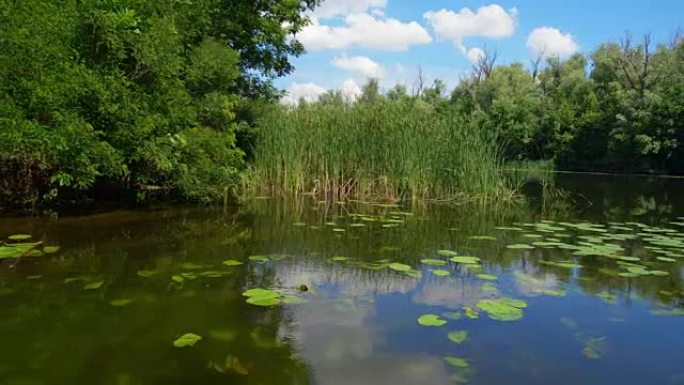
441 273
457 362
188 339
50 249
431 320
458 336
263 301
520 246
447 253
19 237
433 262
120 302
339 258
471 313
400 267
93 285
487 277
232 262
504 309
258 258
465 260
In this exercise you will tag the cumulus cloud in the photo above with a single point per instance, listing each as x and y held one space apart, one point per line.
490 21
360 65
475 54
308 91
549 41
334 8
364 30
350 90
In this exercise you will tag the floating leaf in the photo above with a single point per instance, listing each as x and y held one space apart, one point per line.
465 260
520 246
441 273
414 273
258 258
458 336
482 238
120 302
339 258
502 309
431 320
232 262
188 339
447 253
147 273
487 277
433 262
19 237
457 362
50 249
471 313
93 285
263 301
177 278
400 267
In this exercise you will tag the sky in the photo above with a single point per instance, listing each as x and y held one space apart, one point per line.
349 41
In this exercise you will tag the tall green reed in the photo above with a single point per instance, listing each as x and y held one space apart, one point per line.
390 149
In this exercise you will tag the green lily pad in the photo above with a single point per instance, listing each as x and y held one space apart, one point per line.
431 320
93 285
504 309
457 362
177 278
465 260
50 249
471 313
339 258
19 237
441 273
263 301
259 292
482 238
400 267
232 262
520 246
258 258
188 339
487 277
666 259
458 336
414 274
433 262
447 253
120 302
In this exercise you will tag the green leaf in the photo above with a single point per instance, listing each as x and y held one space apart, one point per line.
431 320
50 249
457 362
400 267
433 262
441 273
458 336
19 237
232 262
188 339
93 285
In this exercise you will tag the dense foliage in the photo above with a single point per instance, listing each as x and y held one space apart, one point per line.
133 96
622 110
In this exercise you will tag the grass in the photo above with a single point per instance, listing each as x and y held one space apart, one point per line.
393 150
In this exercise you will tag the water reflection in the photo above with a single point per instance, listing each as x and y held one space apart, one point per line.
583 324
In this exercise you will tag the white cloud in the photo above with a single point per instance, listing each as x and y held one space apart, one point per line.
309 91
551 42
333 8
359 64
490 21
364 30
475 54
350 90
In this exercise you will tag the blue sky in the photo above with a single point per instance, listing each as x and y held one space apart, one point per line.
351 40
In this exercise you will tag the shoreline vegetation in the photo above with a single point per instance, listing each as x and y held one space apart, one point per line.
388 148
138 101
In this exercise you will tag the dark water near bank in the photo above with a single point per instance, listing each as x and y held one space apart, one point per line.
602 288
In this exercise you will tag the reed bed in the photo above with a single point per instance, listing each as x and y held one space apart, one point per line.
392 150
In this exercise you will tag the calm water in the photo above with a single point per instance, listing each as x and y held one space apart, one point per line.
108 306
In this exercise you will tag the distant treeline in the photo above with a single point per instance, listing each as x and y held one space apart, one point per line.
136 100
619 110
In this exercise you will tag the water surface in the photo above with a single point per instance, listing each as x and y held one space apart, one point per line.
595 260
